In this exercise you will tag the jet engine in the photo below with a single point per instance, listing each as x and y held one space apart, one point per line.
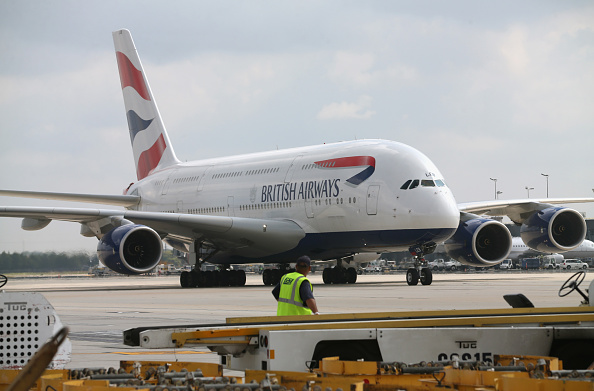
130 249
554 230
479 242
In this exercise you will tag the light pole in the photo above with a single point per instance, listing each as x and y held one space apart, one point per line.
495 180
528 189
547 176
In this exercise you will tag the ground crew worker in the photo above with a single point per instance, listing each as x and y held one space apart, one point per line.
294 292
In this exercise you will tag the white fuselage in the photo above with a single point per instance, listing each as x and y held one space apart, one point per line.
347 197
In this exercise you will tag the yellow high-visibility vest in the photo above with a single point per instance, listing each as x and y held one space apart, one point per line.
289 301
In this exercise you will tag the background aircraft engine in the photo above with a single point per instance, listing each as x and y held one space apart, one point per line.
480 242
130 249
554 230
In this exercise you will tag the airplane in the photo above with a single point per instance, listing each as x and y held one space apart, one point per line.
343 202
521 250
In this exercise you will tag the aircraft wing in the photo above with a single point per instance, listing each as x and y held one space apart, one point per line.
256 237
116 200
516 210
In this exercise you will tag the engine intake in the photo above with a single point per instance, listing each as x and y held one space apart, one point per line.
130 249
480 242
554 230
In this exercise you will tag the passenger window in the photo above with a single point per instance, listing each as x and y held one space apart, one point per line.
427 183
405 186
414 184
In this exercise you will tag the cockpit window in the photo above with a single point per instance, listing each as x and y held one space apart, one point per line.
414 183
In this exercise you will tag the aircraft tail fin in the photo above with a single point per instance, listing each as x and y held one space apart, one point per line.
150 142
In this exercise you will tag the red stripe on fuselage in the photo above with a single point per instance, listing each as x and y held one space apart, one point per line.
150 158
130 76
351 161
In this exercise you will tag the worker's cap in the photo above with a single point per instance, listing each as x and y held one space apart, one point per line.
303 260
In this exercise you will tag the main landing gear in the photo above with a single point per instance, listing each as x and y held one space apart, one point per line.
198 278
339 275
215 278
420 271
273 276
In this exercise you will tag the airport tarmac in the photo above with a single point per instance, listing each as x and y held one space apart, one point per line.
98 309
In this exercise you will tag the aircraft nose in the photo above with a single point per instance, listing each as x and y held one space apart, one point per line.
435 210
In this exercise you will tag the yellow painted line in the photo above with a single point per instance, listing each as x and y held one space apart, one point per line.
411 314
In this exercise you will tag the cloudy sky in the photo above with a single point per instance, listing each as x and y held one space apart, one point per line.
486 89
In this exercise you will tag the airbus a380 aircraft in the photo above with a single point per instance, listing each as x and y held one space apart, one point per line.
345 202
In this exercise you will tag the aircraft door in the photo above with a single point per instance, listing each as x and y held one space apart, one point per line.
292 168
230 210
167 183
309 212
202 180
372 197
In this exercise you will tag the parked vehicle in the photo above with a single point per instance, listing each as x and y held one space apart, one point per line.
440 264
574 264
530 263
373 269
550 264
506 264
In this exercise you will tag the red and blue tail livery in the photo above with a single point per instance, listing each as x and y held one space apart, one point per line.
150 142
131 77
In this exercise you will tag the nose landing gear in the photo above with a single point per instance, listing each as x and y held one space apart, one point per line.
420 271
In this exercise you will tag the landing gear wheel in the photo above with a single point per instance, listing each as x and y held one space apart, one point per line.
184 280
327 275
240 277
338 275
572 283
267 277
426 276
224 277
351 275
412 276
277 274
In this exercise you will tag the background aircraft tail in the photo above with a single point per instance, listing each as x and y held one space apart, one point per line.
150 142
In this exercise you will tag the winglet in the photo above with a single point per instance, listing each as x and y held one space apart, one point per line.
150 142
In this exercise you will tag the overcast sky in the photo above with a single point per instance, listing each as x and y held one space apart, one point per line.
485 89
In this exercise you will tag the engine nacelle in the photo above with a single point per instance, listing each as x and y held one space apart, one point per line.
130 249
480 242
554 230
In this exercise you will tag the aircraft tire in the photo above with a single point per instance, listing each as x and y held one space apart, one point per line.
277 274
266 278
351 275
224 277
338 275
240 277
209 279
426 276
412 276
327 275
184 279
